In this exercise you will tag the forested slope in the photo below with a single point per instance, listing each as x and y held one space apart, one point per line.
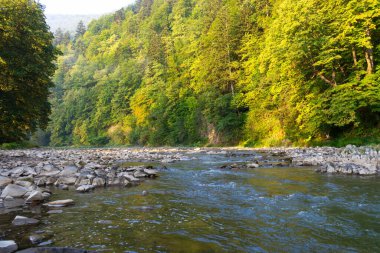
255 72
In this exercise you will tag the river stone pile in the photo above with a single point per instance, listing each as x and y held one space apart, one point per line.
349 160
25 173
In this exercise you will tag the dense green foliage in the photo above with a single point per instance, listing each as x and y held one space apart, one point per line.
26 65
221 72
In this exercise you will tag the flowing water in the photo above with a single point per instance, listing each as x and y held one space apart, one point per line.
196 207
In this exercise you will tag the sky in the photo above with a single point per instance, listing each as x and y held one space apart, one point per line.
84 7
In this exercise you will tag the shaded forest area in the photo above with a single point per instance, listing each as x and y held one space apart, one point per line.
221 72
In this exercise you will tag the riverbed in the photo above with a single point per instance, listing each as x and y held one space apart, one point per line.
195 206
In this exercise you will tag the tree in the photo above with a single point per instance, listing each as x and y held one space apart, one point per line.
81 29
26 65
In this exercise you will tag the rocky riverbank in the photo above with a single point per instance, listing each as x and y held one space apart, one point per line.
350 160
28 174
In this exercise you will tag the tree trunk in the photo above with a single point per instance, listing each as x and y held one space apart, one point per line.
354 56
370 62
368 52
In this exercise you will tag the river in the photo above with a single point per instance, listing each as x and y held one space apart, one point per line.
196 207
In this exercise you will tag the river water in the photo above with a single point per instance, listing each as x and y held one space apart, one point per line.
196 207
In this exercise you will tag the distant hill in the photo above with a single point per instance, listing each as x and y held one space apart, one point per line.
68 22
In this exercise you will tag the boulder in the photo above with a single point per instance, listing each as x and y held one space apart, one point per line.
8 246
40 182
98 182
60 203
66 180
34 197
21 221
83 181
15 191
69 171
49 170
4 181
139 174
151 172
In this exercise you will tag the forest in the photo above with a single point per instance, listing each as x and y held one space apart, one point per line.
220 72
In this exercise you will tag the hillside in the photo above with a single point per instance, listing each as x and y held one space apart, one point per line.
215 72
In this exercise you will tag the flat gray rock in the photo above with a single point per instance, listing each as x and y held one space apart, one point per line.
8 246
21 221
14 191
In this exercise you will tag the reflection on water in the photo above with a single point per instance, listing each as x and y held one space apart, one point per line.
195 207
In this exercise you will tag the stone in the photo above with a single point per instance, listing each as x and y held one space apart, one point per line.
85 188
24 183
17 172
49 170
34 197
13 190
83 181
70 170
8 246
131 178
60 203
151 172
139 174
46 195
4 181
55 212
50 181
98 182
21 221
40 182
36 239
66 180
63 187
253 165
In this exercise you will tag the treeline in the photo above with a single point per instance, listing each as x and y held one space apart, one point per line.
221 72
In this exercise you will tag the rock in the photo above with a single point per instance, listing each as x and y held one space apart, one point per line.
46 195
131 178
29 171
139 174
151 172
24 183
106 222
40 182
55 211
36 239
63 187
21 221
253 165
70 170
17 172
49 171
167 160
60 203
144 193
66 180
85 188
4 181
8 246
83 181
35 197
14 191
50 181
98 182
